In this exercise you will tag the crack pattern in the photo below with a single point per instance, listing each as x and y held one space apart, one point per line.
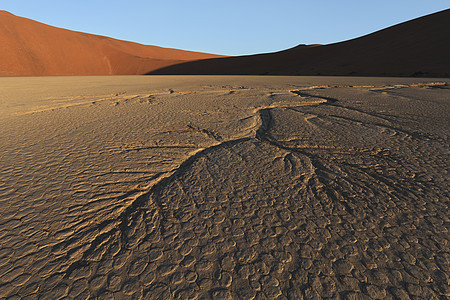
272 214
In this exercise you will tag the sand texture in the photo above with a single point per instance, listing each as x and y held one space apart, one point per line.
224 188
30 48
415 48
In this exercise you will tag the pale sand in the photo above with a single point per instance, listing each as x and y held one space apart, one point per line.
224 187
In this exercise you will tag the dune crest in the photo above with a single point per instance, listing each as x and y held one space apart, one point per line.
30 48
415 48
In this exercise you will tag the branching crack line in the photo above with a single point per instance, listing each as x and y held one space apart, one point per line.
121 225
332 102
263 136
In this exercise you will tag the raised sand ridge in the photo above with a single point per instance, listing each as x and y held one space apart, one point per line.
226 188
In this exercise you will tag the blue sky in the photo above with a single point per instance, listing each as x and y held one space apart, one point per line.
225 27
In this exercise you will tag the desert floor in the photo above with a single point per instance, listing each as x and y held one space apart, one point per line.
224 187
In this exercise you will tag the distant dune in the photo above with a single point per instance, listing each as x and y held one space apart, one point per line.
30 48
420 47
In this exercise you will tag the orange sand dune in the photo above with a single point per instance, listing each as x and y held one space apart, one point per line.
419 47
31 48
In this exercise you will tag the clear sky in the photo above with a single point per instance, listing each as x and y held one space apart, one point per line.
231 27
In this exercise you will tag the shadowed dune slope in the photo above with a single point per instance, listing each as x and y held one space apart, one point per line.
419 47
31 48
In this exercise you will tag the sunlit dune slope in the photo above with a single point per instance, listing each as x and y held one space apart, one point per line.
31 48
419 47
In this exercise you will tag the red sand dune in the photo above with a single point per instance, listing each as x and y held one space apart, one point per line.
28 47
420 47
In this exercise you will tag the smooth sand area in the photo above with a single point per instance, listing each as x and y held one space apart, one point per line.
226 187
30 48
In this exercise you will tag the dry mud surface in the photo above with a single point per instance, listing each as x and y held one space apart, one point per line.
224 188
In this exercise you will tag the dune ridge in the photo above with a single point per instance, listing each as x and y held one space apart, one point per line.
30 48
413 48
